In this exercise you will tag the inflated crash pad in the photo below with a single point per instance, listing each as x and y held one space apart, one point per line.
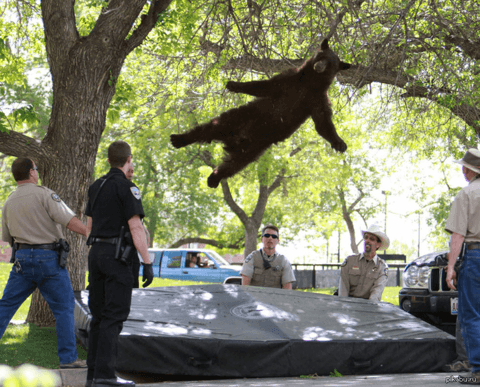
244 331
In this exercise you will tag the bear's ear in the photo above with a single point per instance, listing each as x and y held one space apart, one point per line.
320 66
344 66
324 45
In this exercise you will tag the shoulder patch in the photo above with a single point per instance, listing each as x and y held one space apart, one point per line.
56 197
249 258
345 261
386 271
136 193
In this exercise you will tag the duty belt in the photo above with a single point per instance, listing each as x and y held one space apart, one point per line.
24 246
473 245
112 241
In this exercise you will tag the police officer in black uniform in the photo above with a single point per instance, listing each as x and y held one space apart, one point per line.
114 212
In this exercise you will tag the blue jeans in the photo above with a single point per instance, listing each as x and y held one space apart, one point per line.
40 268
469 306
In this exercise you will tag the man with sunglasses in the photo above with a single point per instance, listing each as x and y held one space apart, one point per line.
32 220
266 267
365 275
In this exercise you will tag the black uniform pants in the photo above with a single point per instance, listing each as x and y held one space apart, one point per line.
110 297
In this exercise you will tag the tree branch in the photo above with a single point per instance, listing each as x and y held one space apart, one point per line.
147 24
227 195
60 31
18 145
212 242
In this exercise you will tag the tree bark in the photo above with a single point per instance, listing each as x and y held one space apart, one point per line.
84 70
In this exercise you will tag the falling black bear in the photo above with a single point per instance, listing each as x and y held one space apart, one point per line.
284 102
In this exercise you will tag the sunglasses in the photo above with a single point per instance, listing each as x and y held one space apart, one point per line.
270 236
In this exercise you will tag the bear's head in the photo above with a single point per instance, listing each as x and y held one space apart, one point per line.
327 64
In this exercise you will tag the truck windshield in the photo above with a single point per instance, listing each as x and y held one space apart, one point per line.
218 258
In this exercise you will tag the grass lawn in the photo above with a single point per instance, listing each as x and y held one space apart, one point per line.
27 343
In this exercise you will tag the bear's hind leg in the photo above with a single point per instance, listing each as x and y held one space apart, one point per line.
233 164
204 133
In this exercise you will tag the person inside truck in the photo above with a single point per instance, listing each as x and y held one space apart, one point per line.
192 261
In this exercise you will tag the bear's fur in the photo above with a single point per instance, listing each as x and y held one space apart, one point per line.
283 103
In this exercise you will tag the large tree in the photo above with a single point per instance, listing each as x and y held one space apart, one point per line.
84 68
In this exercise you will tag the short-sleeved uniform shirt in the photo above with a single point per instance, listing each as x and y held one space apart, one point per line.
464 217
34 215
280 273
118 200
362 278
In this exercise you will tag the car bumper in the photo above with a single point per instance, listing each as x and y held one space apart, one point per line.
424 301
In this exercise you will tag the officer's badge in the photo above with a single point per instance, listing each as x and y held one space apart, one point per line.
56 197
136 193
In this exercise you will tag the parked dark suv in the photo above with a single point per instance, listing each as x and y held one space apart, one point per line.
425 293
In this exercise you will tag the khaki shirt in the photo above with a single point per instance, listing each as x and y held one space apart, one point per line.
362 278
280 273
464 217
34 215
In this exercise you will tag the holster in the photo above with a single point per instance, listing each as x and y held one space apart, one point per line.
14 250
124 246
62 250
460 260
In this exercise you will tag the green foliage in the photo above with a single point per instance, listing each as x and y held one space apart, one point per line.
27 376
335 374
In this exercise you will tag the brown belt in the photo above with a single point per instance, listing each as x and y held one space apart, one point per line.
473 245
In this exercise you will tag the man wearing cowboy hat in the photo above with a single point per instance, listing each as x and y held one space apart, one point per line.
365 275
464 224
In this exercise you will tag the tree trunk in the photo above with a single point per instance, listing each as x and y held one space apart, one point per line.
347 218
251 237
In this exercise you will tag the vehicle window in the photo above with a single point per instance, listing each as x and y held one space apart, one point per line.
205 261
155 257
173 258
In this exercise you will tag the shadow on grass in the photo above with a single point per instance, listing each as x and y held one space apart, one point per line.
27 343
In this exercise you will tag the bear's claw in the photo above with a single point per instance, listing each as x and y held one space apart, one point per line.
177 140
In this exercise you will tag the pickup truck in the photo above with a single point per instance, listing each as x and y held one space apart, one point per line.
425 293
175 264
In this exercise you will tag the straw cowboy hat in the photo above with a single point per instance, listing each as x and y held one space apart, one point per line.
471 160
375 230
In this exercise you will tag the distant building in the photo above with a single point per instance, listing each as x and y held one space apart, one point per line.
234 259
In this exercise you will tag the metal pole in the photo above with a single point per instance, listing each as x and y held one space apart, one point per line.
385 228
418 233
338 255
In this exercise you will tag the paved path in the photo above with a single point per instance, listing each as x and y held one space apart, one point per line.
76 378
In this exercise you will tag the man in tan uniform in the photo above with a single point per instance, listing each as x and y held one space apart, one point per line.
265 267
463 223
32 218
365 275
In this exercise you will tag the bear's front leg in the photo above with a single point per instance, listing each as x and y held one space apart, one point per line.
325 128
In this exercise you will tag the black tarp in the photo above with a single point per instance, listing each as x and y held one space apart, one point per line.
243 331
